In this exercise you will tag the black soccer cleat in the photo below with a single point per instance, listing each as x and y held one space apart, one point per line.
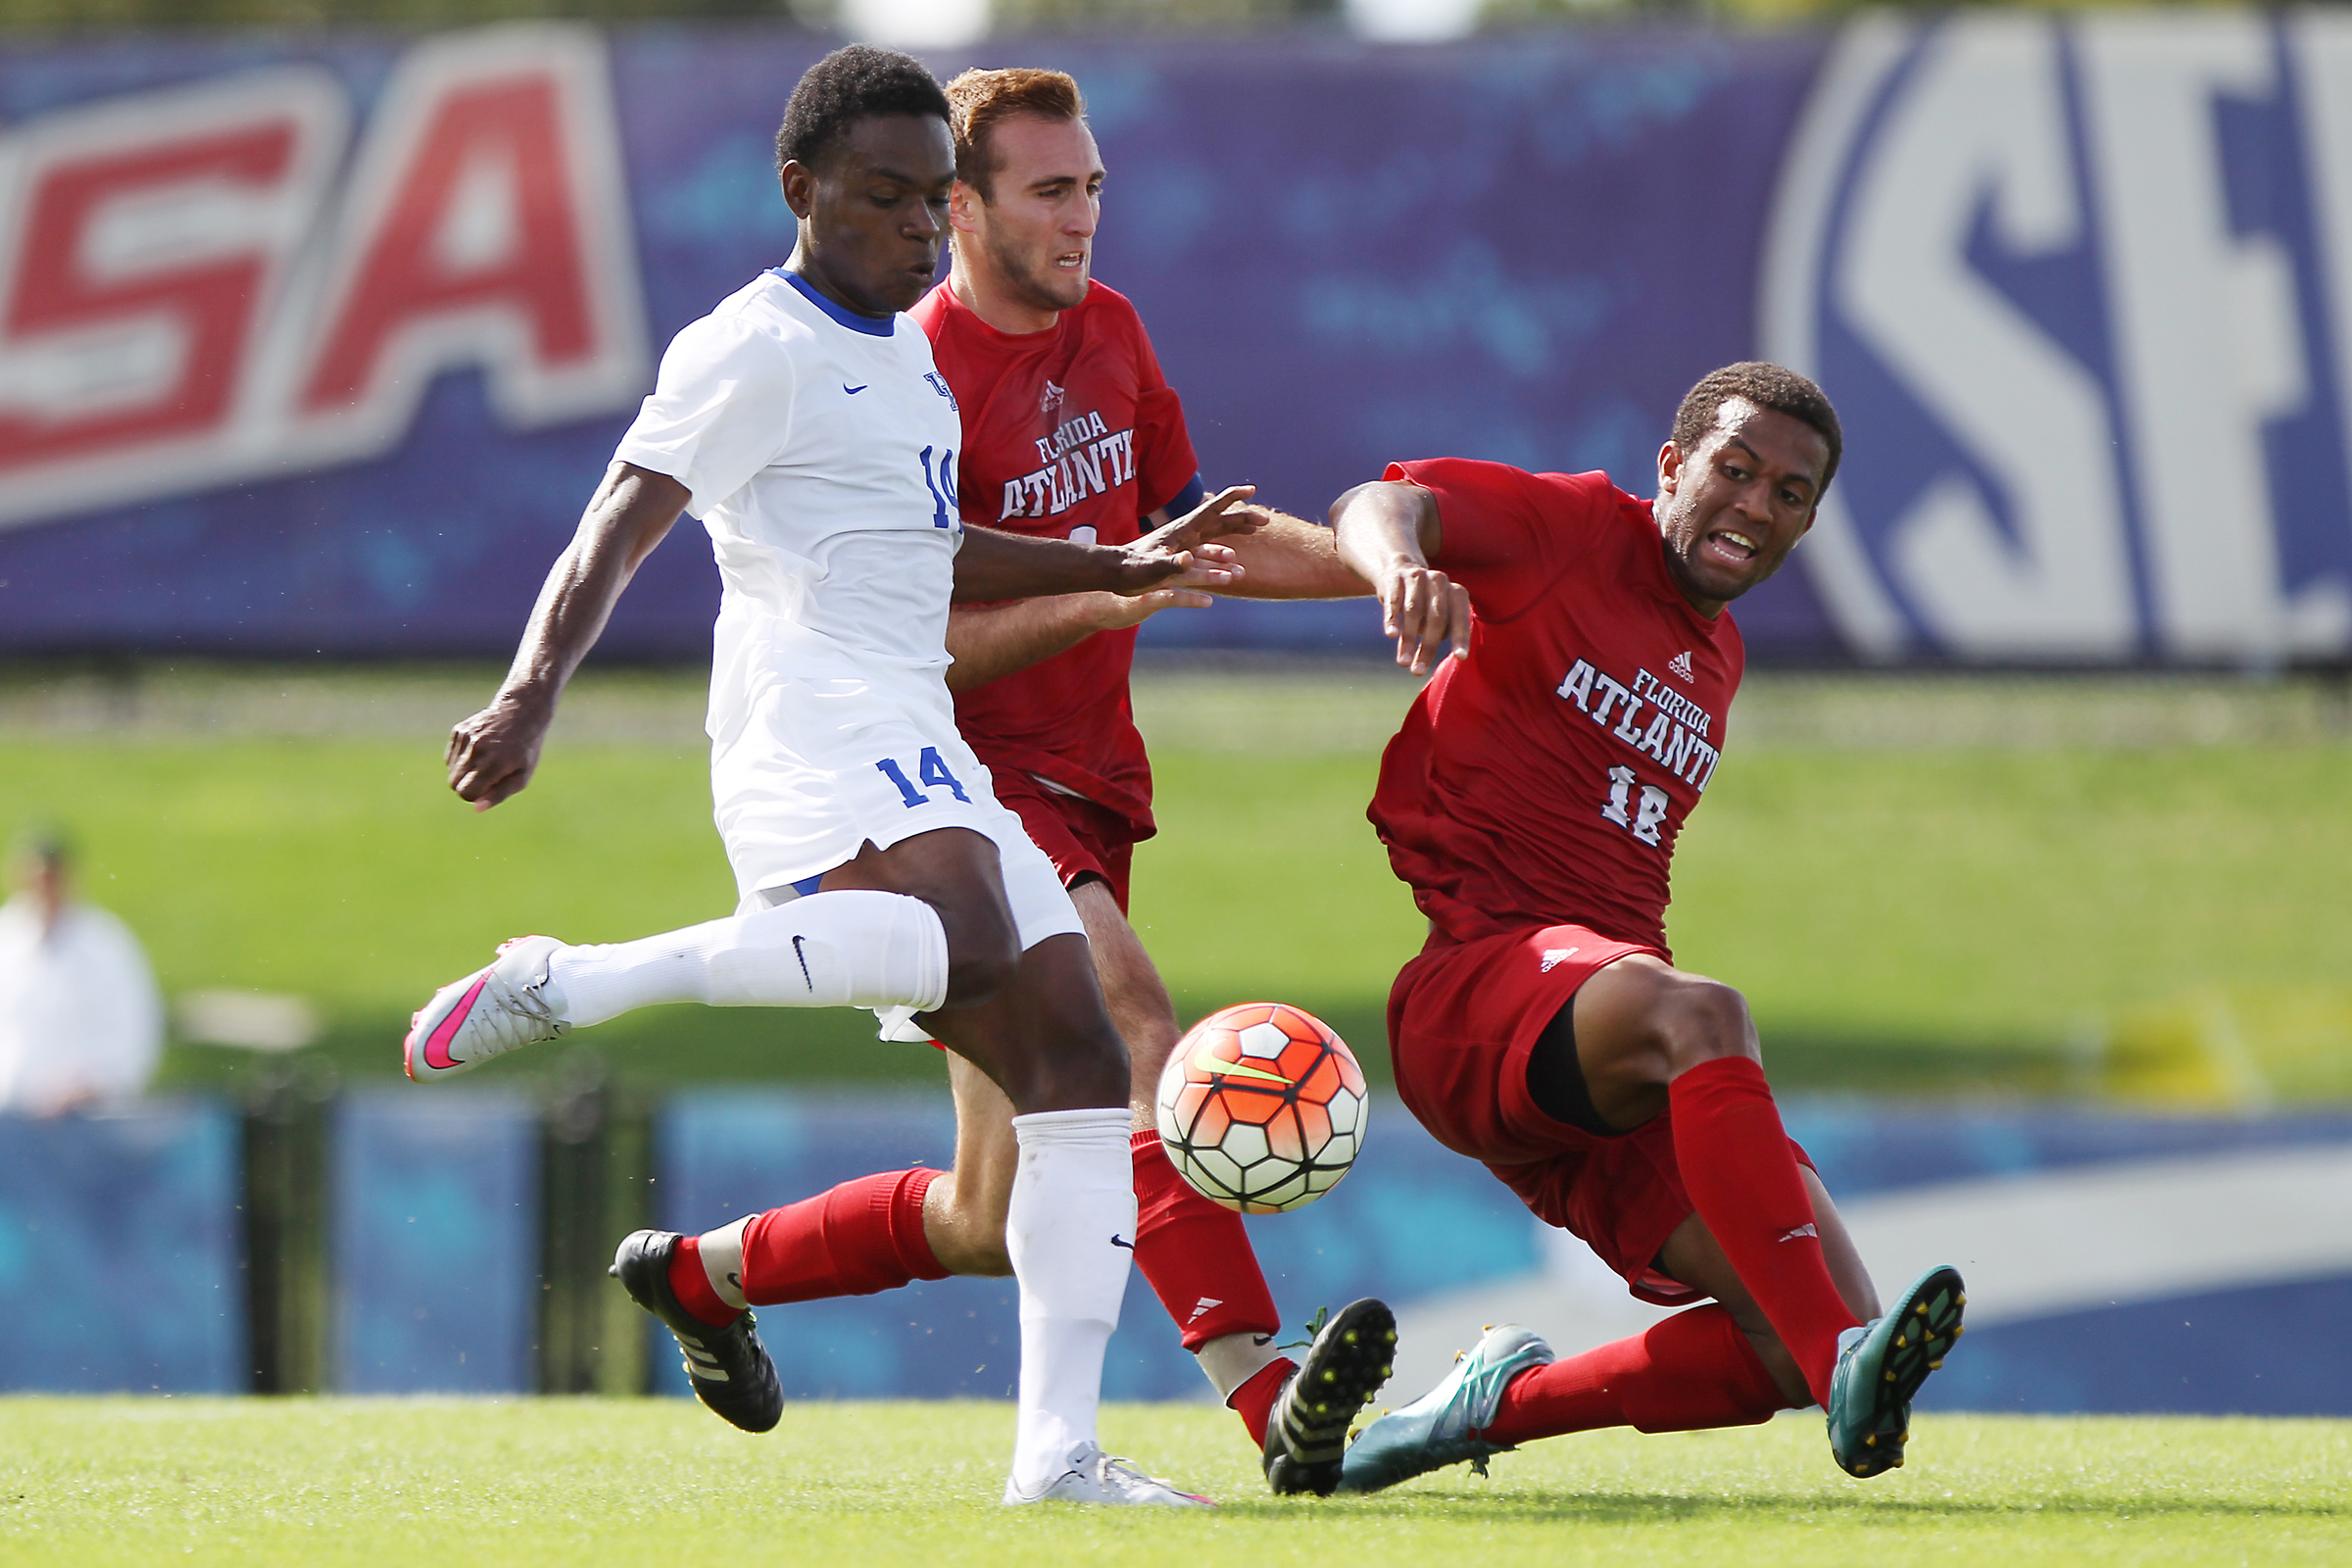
1307 1434
729 1367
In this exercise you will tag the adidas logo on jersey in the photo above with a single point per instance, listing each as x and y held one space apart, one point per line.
1679 667
1553 957
1051 399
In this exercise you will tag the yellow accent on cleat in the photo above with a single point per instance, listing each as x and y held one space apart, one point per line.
1890 1377
1871 1441
1900 1342
1933 1365
1961 1299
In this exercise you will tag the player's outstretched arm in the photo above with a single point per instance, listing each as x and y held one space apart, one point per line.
1387 534
987 641
991 564
492 754
1291 558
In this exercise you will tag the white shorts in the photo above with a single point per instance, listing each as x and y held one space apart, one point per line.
821 765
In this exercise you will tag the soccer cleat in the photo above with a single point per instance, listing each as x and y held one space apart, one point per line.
1443 1426
1880 1366
1092 1476
491 1011
1307 1431
728 1367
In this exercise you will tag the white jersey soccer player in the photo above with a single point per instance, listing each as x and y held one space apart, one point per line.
820 448
805 424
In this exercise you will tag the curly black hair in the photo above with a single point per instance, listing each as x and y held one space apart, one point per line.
849 85
1767 387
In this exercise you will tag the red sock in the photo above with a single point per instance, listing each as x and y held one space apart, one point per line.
1693 1371
1741 1177
1196 1254
861 1237
692 1287
1253 1400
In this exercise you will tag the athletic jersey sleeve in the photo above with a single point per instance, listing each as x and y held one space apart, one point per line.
1503 533
1164 448
719 412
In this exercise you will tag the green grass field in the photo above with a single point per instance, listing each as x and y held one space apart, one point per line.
1948 908
92 1483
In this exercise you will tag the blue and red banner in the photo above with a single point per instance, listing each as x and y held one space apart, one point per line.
318 346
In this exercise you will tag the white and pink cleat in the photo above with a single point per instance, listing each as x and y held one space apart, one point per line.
510 1003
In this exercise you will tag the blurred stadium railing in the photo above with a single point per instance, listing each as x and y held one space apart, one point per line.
2116 1263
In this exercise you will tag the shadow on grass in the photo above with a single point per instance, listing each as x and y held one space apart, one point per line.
1646 1508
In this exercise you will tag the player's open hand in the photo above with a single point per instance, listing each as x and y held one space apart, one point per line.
1118 611
493 754
1222 515
1423 608
1178 555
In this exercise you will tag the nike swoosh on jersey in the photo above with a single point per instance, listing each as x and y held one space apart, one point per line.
853 390
1207 1061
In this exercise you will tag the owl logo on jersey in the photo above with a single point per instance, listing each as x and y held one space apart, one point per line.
1050 401
939 384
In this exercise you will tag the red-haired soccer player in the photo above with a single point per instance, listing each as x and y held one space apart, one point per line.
1071 433
1532 798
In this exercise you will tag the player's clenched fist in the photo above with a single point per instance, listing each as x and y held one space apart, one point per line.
492 754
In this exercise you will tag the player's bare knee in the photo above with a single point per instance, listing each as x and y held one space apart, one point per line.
980 964
1697 1020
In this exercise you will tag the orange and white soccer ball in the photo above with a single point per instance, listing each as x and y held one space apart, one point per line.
1262 1107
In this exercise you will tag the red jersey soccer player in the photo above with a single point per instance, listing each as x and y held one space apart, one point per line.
1532 798
1071 431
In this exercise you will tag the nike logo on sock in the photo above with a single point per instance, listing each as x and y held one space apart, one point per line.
804 958
1261 1339
1115 1242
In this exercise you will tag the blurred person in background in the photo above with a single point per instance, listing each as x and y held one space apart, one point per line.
81 1021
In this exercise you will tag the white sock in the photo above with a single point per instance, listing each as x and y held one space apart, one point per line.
721 1255
1233 1359
828 950
1071 1234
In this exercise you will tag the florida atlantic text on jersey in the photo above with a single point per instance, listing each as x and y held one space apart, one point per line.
1580 730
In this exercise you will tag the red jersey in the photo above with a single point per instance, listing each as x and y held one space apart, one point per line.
1071 433
1543 778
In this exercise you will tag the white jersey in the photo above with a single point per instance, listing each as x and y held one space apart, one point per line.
819 447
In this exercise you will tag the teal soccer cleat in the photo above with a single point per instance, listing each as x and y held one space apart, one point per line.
1880 1366
1443 1426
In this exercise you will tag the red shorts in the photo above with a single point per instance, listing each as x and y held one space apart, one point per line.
1462 1019
1080 838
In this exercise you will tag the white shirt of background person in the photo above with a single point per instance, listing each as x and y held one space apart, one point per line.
81 1021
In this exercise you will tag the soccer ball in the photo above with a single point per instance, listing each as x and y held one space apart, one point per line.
1262 1107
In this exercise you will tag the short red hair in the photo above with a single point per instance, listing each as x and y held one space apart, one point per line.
979 101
